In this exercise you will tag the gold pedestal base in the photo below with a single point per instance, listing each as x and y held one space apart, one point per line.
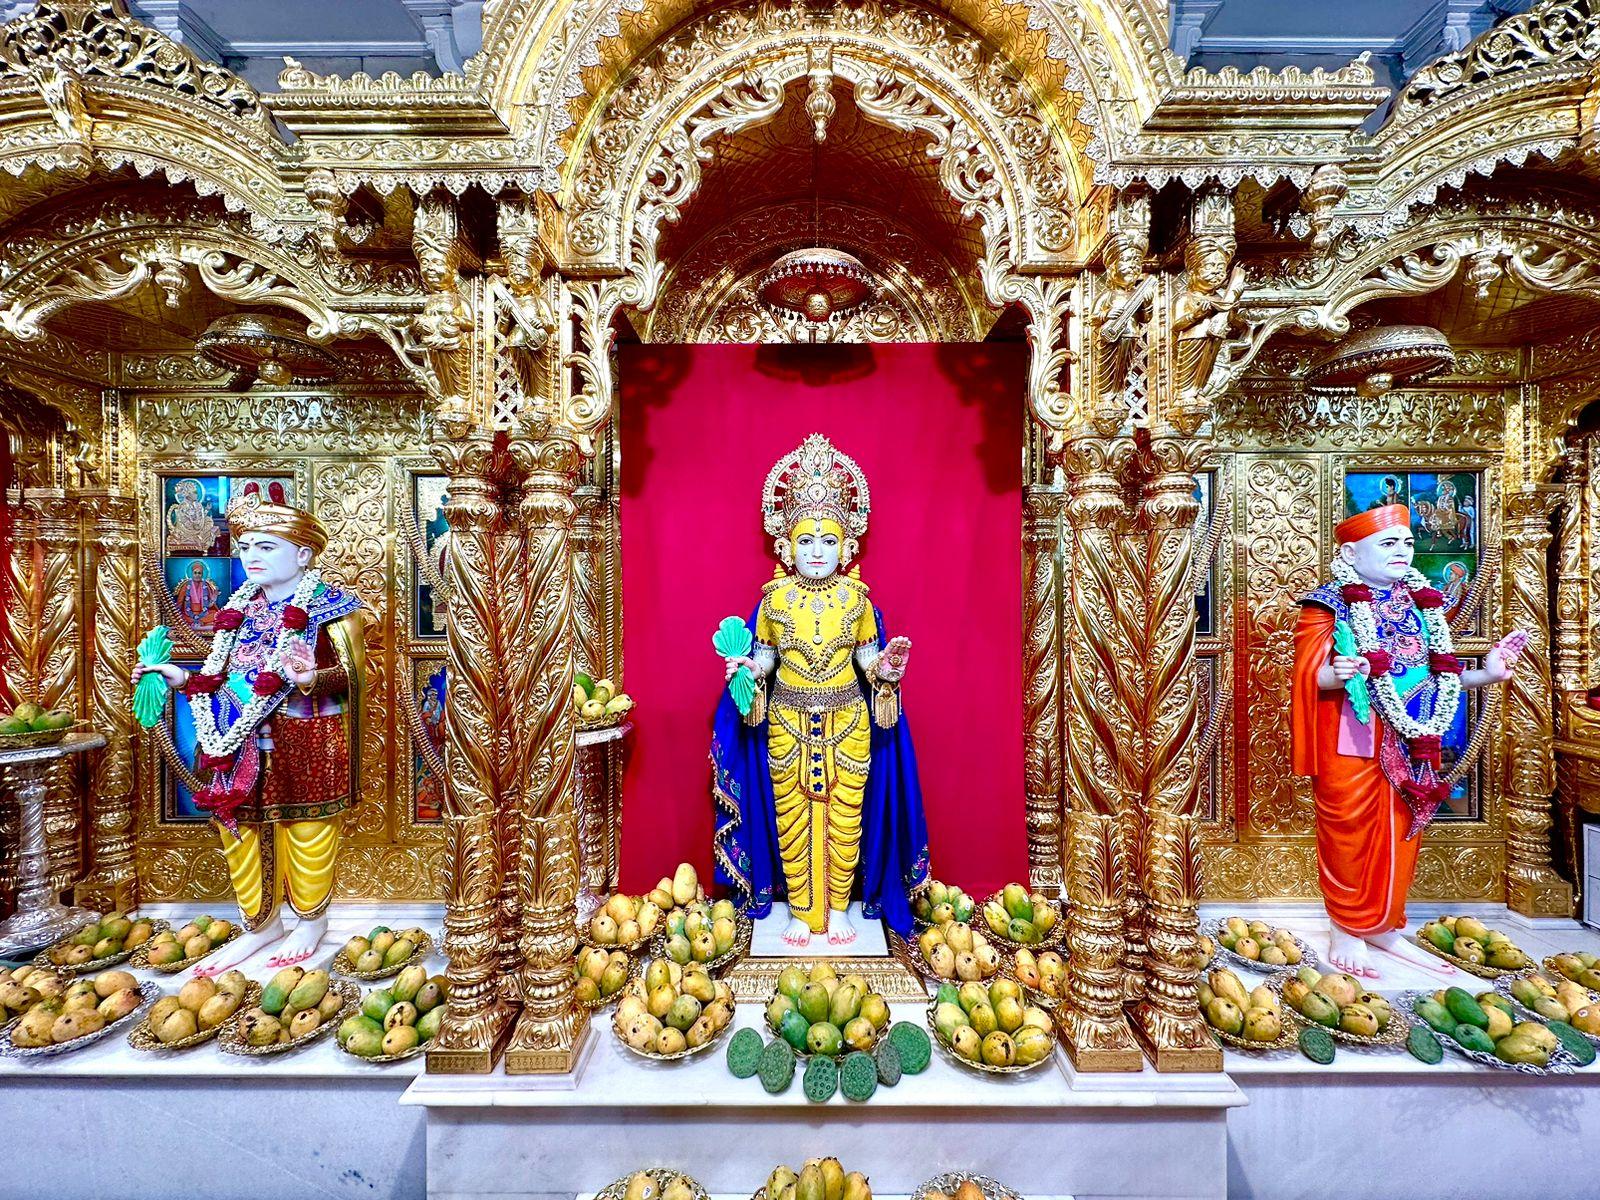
1544 895
558 1060
1095 1061
1099 1048
121 895
472 1060
1178 1060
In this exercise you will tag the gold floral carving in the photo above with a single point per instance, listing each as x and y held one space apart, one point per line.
1041 676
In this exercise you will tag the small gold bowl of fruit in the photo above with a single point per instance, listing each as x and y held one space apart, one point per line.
383 953
169 951
991 1028
1245 1020
100 944
1471 945
705 934
1255 944
1043 976
196 1014
297 1007
1017 917
673 1011
940 903
623 923
1484 1028
600 974
820 1013
1554 997
1343 1006
818 1179
396 1022
51 1014
598 702
653 1183
30 726
956 951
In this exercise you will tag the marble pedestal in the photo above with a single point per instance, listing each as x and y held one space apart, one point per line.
1047 1133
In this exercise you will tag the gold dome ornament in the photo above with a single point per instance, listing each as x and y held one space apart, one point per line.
273 349
817 283
1377 360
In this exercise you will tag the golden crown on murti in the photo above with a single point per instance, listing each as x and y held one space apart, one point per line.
817 482
250 513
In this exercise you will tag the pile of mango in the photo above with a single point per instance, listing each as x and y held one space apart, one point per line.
1470 940
678 889
992 1025
397 1018
195 940
958 951
599 973
1259 942
699 932
111 935
965 1190
940 903
54 1011
1254 1016
674 1008
624 921
1020 916
382 948
1485 1023
597 700
202 1003
31 718
1337 1001
1046 972
1566 1001
295 1004
658 1185
817 1012
819 1179
1583 969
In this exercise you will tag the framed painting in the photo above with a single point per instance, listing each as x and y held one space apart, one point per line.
428 687
428 498
199 571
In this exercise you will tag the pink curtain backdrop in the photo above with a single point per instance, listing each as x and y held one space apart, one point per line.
938 432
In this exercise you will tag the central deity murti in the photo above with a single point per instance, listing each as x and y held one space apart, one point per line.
838 768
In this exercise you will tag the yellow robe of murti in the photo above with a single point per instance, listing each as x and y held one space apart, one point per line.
818 735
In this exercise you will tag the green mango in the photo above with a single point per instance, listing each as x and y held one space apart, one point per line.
13 725
685 1011
357 1024
409 982
948 994
1465 1009
845 1005
1324 1010
813 1003
377 1004
366 1043
27 711
56 718
779 1007
947 1018
1015 901
794 1029
428 1026
790 982
1020 930
1473 1038
308 993
823 1038
1441 937
1436 1015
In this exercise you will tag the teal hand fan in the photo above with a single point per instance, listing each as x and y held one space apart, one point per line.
732 640
150 693
1344 644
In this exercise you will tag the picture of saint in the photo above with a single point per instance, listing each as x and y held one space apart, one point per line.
428 788
429 494
197 597
190 516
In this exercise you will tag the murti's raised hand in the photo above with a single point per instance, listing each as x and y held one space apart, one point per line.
299 665
896 656
1501 662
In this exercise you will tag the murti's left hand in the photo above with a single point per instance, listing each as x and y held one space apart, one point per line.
1501 662
892 662
299 667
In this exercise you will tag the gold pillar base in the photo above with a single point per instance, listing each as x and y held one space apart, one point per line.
1178 1049
1097 1047
494 1031
1538 894
545 1060
113 895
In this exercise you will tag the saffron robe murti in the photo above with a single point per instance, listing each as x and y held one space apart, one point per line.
1364 859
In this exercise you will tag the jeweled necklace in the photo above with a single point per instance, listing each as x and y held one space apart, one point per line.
225 745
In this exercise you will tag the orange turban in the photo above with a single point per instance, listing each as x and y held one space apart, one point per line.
1364 525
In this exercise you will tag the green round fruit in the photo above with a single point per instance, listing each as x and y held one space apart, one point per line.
1317 1045
1424 1045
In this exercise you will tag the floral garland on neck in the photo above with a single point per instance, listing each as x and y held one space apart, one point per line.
1423 738
215 744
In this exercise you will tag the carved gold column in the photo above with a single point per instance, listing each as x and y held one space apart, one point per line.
596 837
478 1017
111 522
1571 641
1041 684
1532 886
57 632
1167 1019
550 1033
1102 637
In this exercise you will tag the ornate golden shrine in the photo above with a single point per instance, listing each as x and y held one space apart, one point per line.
471 246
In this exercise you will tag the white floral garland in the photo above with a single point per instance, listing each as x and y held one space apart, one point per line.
211 740
1365 627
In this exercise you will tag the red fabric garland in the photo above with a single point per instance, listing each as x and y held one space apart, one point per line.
1381 661
295 618
1444 664
267 683
1428 597
1356 593
201 684
1428 748
229 619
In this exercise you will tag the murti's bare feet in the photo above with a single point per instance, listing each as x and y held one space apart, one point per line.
798 934
840 931
1350 954
302 942
1397 945
243 948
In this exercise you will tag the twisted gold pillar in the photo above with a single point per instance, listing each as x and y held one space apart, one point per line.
1041 683
1166 1015
469 1041
1102 635
1532 885
549 1035
596 837
112 524
57 632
